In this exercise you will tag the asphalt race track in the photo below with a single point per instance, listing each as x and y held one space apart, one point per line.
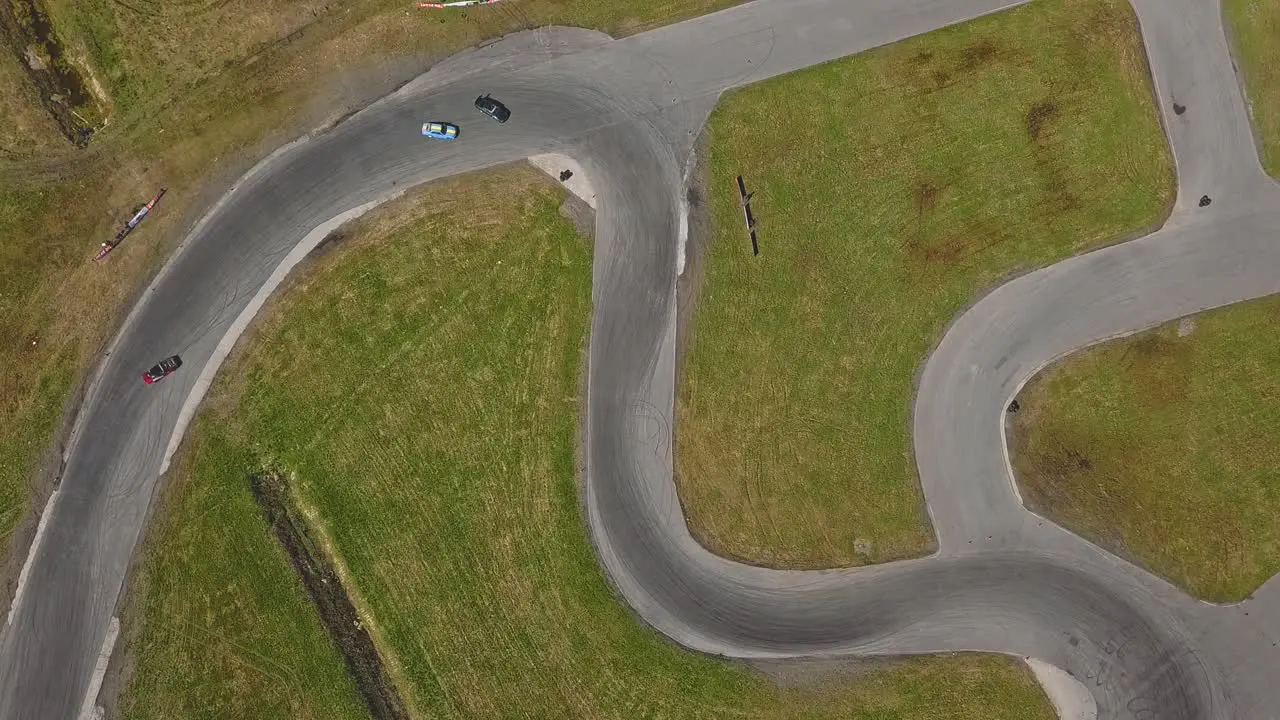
1004 579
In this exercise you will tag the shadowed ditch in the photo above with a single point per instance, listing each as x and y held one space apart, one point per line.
270 490
26 28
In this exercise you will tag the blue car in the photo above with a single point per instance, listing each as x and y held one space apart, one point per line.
440 130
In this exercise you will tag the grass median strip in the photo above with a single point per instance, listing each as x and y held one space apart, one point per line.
1162 447
420 384
921 174
1254 27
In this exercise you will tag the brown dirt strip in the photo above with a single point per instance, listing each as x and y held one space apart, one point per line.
325 588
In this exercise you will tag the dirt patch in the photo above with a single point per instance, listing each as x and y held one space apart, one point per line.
330 241
1039 122
930 72
1162 366
921 57
1146 348
941 79
925 197
978 54
325 589
926 254
924 72
26 29
1073 462
1039 117
1056 469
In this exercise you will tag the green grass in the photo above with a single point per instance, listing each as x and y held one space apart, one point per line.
921 174
1163 448
1255 30
190 89
421 385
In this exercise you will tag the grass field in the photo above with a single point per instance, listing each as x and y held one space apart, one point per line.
421 384
1255 32
191 90
929 170
1162 447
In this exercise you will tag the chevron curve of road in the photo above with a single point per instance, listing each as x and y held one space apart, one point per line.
1004 580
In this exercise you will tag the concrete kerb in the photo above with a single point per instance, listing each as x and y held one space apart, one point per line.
88 706
31 551
1069 697
578 183
682 226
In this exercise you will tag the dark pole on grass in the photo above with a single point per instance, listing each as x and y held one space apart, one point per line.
746 210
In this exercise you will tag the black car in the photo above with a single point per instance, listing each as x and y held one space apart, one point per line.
492 108
162 369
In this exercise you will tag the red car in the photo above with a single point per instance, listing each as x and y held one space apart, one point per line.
162 369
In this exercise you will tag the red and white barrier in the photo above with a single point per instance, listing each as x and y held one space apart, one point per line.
456 3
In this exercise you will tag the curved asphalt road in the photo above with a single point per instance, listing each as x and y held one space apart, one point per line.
1004 580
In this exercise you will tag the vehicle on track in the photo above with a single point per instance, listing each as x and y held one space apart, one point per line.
493 108
439 130
162 369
